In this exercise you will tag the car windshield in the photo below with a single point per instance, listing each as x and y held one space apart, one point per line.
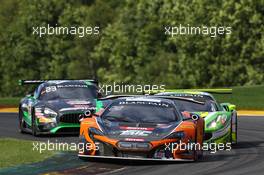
141 113
63 92
184 105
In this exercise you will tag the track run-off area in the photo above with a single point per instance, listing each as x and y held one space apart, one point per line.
247 157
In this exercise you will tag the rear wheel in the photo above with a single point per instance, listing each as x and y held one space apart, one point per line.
233 135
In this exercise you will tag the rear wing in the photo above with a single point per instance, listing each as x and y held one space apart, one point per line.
213 91
37 82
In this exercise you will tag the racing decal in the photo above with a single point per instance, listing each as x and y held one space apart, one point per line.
134 140
187 95
54 88
161 104
74 108
221 132
50 89
39 114
78 102
136 128
72 85
135 133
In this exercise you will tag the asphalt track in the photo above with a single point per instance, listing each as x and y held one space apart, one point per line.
245 158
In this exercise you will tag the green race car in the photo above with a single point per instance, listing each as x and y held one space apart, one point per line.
56 106
220 119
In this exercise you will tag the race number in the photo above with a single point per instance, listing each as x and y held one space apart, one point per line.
51 89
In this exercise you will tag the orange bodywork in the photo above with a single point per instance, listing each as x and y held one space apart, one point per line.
193 131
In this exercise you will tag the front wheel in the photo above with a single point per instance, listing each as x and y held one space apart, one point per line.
21 122
33 125
198 150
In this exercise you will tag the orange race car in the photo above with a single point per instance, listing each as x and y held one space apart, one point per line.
144 127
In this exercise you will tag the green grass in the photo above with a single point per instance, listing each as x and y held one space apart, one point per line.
247 97
15 152
9 101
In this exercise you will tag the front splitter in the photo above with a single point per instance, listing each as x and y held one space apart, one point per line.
135 158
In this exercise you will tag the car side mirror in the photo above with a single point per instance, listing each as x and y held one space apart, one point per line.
228 107
89 113
29 95
192 116
195 117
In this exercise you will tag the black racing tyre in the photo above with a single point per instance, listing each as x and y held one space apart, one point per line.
196 154
200 156
33 124
231 139
21 122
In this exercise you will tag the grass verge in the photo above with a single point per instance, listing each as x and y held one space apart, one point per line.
246 98
10 101
15 152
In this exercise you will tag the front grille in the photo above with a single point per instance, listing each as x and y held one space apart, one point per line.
70 118
139 146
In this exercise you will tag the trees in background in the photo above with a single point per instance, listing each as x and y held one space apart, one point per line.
132 46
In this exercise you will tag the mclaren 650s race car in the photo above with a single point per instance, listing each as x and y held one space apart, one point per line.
55 106
220 119
141 128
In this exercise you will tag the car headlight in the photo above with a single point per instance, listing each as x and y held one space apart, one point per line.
50 112
220 119
45 115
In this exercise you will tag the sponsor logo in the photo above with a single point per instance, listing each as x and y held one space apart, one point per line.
134 140
79 102
135 133
135 128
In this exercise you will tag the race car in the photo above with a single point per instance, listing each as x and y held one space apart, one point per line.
55 106
141 128
220 119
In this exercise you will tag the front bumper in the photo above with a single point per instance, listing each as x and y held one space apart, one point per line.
64 123
113 151
133 158
59 129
